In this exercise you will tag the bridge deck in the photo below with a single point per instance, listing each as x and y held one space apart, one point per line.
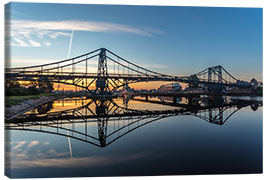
24 75
184 94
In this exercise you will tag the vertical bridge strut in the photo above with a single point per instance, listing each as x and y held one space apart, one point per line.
102 74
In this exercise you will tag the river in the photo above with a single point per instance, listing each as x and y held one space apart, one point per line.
80 137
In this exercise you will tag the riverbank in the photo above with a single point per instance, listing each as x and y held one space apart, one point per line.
20 106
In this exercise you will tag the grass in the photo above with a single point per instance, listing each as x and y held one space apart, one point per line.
11 102
15 100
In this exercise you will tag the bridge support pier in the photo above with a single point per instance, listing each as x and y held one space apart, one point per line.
190 100
174 100
146 98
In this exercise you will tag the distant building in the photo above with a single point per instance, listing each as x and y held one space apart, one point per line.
169 99
126 88
153 90
173 87
194 90
242 83
144 90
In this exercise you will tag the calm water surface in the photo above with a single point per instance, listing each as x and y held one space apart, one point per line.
123 138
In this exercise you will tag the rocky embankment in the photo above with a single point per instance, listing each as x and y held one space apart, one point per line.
26 105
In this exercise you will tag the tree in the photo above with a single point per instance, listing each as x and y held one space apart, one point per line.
45 85
44 108
193 81
12 88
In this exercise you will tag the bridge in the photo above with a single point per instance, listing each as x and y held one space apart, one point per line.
114 72
114 121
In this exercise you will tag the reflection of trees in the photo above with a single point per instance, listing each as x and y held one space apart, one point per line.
193 81
254 106
44 108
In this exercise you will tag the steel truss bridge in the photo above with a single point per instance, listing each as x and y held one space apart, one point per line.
113 121
114 72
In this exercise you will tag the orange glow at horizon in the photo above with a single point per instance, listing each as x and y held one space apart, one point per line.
152 85
136 86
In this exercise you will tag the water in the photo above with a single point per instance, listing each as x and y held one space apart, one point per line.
126 140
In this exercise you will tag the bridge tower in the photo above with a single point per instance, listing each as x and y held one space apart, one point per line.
102 77
216 70
215 79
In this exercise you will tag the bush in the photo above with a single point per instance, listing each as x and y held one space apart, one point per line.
13 88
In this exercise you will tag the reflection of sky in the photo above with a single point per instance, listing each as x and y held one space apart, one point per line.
36 154
172 40
175 145
60 105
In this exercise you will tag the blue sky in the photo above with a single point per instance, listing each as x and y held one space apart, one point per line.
172 40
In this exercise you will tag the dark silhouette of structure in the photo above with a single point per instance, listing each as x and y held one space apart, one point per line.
115 72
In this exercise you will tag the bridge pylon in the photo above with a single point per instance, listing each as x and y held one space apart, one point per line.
215 71
215 77
102 74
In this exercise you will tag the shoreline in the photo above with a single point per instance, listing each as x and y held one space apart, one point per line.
26 105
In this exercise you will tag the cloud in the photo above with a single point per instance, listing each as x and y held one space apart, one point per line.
79 26
33 143
8 11
57 34
18 42
47 44
31 33
155 31
50 160
34 43
20 62
46 143
20 144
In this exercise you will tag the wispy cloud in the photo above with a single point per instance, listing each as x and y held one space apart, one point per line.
155 31
31 33
18 42
32 143
20 144
8 11
20 62
51 159
34 43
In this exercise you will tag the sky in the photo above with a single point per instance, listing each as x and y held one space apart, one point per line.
168 39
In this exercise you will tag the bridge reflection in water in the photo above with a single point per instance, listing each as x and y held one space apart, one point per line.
113 121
